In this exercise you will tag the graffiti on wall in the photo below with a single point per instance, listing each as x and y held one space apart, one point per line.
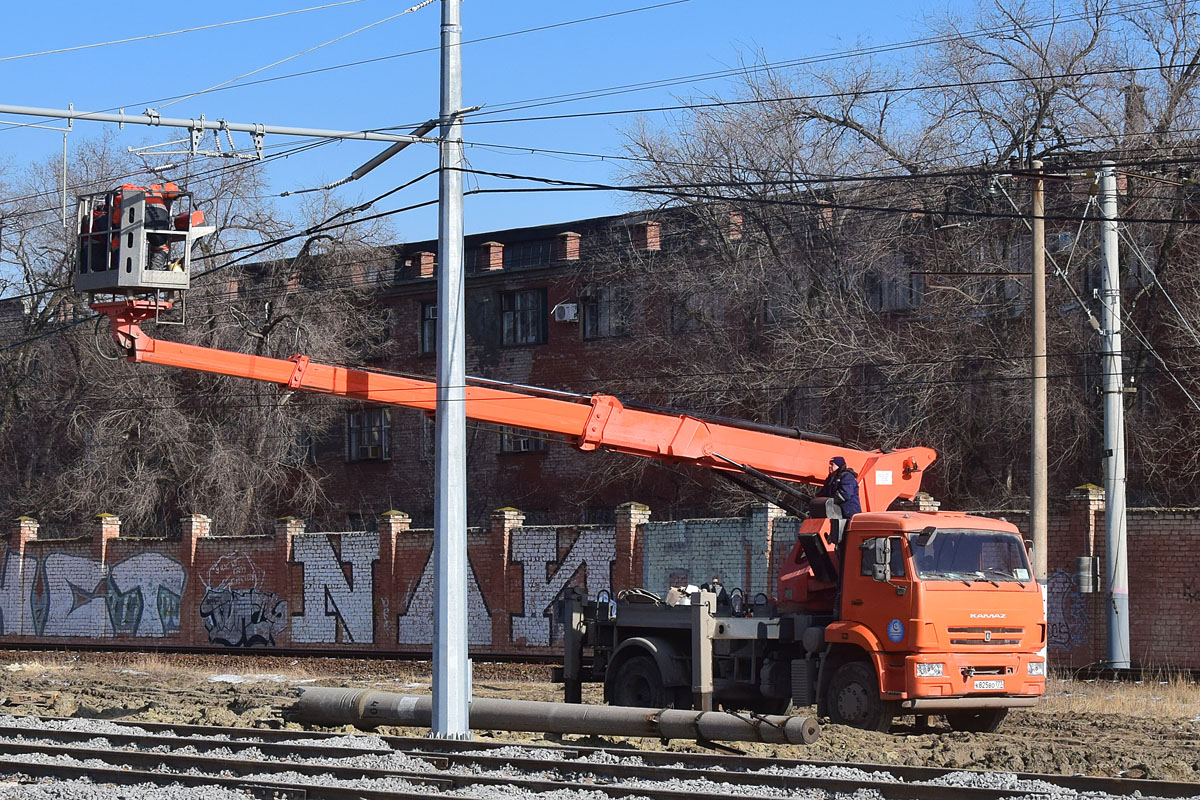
15 585
546 575
68 595
339 587
415 625
236 610
1066 612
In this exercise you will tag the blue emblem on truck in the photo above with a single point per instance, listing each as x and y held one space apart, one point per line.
896 630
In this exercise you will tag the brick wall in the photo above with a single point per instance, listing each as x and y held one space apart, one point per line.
358 590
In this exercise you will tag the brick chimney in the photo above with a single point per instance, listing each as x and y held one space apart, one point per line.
566 246
736 225
646 236
491 256
423 263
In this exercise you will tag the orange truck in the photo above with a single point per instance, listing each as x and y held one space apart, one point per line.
888 613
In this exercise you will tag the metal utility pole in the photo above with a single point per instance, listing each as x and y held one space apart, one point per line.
1114 426
1039 476
451 668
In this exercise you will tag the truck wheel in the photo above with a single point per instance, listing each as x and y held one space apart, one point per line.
986 720
853 699
638 683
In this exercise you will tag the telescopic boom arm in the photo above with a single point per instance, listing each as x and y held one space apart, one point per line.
602 422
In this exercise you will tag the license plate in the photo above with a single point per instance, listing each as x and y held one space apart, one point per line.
989 686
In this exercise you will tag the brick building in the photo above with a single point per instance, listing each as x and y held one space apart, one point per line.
536 317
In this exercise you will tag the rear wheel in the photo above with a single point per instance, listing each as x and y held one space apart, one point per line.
985 720
638 683
853 698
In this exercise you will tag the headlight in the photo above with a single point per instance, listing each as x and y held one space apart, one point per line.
1037 668
929 670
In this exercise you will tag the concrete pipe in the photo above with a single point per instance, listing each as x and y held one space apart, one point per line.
362 708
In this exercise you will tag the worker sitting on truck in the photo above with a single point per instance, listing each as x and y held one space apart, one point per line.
842 487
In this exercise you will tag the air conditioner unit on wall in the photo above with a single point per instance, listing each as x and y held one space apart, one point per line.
566 312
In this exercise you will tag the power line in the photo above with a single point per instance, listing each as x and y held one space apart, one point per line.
857 92
211 26
294 56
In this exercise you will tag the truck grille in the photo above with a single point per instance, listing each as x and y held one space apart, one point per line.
985 637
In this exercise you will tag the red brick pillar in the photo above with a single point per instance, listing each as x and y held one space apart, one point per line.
763 516
25 531
192 528
286 529
389 593
509 597
107 526
627 567
1085 507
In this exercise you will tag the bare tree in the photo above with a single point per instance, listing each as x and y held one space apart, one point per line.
849 250
88 432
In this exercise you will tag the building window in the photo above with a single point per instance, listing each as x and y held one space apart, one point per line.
605 312
523 317
368 435
302 452
428 435
528 254
521 440
428 328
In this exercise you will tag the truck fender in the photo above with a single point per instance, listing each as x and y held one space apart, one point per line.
846 641
665 654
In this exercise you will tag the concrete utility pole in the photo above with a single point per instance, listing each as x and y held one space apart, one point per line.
1114 425
1039 478
451 668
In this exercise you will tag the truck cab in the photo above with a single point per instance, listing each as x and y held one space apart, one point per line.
939 613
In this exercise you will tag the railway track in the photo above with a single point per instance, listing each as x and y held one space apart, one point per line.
291 765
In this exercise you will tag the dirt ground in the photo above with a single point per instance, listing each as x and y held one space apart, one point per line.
1147 730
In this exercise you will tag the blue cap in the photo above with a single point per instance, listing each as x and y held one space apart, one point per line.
838 461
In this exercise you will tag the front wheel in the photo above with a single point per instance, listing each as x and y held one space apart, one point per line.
985 720
853 699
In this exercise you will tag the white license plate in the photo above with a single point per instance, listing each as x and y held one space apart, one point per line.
989 686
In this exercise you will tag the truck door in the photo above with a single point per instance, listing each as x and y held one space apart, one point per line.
878 590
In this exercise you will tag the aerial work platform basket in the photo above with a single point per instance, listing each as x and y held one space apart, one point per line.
136 240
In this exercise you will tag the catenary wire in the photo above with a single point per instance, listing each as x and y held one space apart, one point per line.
194 29
304 52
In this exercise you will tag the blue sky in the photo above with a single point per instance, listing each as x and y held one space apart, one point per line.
679 39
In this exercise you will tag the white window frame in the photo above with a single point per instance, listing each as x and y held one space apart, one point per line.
368 434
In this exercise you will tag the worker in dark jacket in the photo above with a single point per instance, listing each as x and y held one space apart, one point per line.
842 487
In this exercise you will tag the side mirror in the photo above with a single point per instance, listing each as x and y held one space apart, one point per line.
1029 547
881 548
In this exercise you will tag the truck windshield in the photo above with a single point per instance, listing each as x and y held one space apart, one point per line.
970 555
